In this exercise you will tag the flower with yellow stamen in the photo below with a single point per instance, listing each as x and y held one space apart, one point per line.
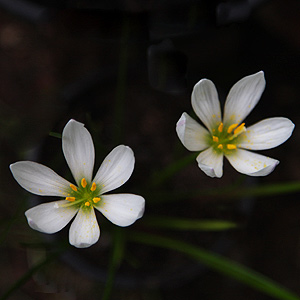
228 136
82 199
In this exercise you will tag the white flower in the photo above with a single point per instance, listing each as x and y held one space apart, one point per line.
81 198
228 136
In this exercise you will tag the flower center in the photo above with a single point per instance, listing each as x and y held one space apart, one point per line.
85 195
225 138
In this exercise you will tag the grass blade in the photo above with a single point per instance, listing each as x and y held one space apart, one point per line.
188 224
219 264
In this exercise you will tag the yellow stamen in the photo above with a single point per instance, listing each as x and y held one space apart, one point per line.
83 182
73 187
96 199
93 187
220 146
87 203
231 127
72 199
220 128
215 139
239 129
231 146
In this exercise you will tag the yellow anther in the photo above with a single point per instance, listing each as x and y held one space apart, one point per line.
231 127
239 129
231 146
83 182
87 203
220 146
93 187
72 199
96 199
220 128
73 187
215 139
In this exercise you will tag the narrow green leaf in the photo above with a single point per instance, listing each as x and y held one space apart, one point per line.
219 264
188 224
228 192
23 279
115 261
269 189
55 134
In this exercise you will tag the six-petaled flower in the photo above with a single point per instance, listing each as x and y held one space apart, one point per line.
228 136
81 198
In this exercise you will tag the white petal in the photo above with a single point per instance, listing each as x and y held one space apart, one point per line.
84 231
79 150
122 209
206 103
39 179
243 97
266 134
116 169
252 164
192 135
211 163
50 217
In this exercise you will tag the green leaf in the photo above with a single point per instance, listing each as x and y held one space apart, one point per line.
55 134
228 192
188 224
26 276
219 264
115 261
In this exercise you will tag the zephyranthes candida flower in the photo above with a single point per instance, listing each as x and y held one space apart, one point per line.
228 136
81 198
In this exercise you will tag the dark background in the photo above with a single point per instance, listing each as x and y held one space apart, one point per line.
126 69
